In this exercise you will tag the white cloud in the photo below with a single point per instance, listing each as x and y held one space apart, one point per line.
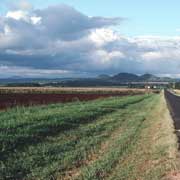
7 30
36 20
103 36
17 15
163 54
152 55
116 54
25 16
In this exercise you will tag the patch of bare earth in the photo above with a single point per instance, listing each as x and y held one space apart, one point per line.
173 176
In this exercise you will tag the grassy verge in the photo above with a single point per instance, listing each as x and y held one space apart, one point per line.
150 153
146 149
154 155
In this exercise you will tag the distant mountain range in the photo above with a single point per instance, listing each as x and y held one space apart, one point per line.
102 80
129 77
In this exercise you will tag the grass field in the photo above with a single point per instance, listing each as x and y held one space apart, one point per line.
113 138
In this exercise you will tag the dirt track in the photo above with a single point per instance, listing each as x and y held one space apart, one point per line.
174 106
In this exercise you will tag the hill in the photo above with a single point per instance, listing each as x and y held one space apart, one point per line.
128 77
125 77
101 80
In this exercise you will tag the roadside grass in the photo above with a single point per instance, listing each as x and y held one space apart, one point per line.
155 153
44 142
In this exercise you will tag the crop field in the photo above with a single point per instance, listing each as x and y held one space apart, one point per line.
10 97
109 138
70 90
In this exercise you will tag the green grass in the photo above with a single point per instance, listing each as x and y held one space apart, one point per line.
80 140
122 144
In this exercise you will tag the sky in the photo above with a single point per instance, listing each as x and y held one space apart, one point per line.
77 38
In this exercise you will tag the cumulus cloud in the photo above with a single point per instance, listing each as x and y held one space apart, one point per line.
103 36
17 15
59 40
66 23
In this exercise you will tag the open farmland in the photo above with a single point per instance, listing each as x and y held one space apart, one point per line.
56 90
10 97
111 138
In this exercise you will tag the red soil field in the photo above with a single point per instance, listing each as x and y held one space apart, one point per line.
9 100
27 96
